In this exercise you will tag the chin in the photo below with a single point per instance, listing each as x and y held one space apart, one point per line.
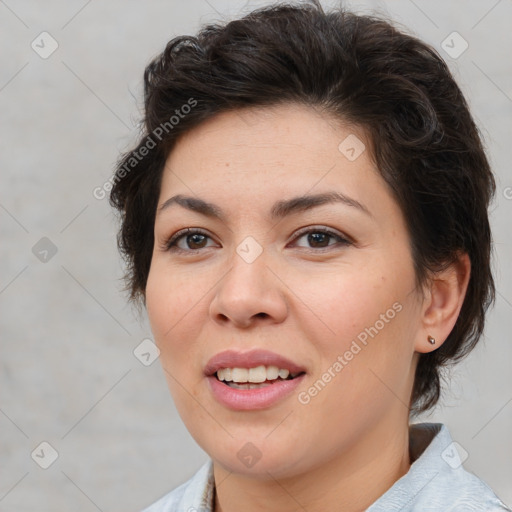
258 458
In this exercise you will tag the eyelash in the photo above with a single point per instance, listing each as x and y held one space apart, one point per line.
171 244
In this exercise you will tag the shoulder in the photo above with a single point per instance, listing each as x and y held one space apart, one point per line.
437 479
458 491
194 495
465 492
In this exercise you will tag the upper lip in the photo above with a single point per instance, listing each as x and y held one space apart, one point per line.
250 359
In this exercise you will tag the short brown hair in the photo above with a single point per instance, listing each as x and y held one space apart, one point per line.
365 71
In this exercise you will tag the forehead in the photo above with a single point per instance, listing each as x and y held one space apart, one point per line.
268 153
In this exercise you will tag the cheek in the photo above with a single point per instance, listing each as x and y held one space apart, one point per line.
172 302
362 329
158 304
346 303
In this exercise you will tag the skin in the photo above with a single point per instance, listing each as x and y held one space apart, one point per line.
306 301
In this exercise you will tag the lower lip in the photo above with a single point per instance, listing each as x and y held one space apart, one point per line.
252 399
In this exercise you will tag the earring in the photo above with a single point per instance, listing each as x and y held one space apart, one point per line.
431 340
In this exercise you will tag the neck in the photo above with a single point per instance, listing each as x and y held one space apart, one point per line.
350 481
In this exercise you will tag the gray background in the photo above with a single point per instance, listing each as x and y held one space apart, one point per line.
69 376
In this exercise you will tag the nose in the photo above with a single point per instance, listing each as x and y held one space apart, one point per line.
249 294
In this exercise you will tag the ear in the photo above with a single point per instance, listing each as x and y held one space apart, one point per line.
444 296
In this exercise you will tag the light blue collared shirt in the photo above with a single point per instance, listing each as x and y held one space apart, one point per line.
435 482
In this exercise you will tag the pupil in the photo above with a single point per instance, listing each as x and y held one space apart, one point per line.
196 239
314 238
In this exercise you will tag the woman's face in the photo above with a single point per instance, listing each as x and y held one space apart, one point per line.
323 289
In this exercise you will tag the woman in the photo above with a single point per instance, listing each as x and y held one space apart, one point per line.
305 221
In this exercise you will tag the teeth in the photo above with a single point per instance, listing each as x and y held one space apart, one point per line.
272 372
248 385
225 374
240 374
284 374
255 375
258 374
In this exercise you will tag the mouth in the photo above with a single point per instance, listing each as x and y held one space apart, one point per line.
254 378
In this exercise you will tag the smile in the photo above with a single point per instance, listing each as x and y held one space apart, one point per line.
251 380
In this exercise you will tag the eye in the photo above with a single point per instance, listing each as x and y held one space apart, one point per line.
319 238
193 239
187 240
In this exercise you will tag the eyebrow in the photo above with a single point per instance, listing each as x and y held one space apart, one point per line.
279 210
